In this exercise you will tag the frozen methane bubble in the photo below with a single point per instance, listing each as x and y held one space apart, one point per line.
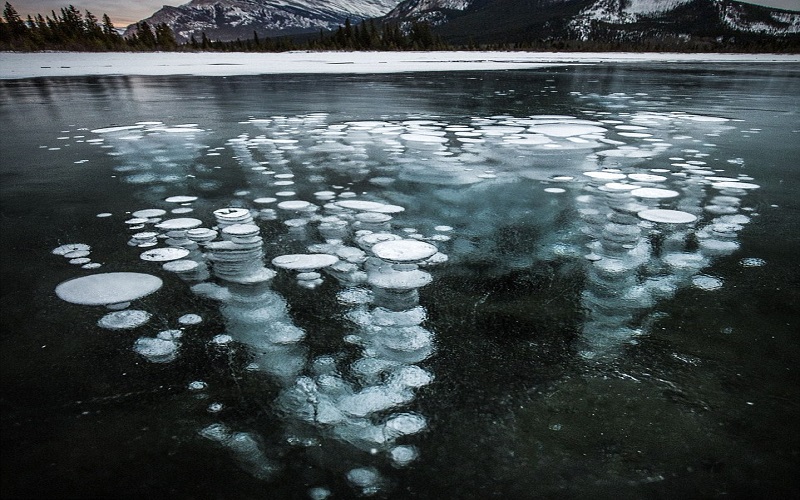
405 423
242 233
319 493
230 215
566 129
296 205
180 266
667 216
706 282
149 213
164 254
605 175
181 199
361 205
201 234
400 280
354 296
403 250
654 193
369 240
63 250
124 320
107 288
304 262
734 185
752 262
190 319
266 200
411 376
156 350
197 385
647 177
180 223
366 478
403 455
619 186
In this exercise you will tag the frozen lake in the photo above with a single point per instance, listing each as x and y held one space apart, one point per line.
572 281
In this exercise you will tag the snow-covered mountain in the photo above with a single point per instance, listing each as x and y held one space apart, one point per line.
486 21
434 12
735 16
512 21
231 19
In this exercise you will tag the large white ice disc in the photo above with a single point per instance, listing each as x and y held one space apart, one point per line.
403 250
242 230
605 175
654 193
647 177
363 205
734 185
566 129
302 261
108 288
400 280
181 199
179 223
295 205
149 213
164 254
231 214
71 247
668 216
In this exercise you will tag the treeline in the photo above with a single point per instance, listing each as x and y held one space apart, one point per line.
71 30
363 36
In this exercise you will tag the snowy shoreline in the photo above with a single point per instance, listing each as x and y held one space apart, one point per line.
15 65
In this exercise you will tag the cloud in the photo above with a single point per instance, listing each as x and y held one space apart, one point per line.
121 12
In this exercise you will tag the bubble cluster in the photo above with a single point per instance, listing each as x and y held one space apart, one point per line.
353 219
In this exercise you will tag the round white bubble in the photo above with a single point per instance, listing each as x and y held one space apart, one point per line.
108 288
190 319
667 216
706 282
124 320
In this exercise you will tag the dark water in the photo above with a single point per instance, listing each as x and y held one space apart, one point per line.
667 368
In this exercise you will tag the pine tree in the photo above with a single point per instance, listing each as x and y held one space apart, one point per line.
165 39
145 38
16 26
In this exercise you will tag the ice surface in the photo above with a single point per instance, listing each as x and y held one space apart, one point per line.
22 65
354 380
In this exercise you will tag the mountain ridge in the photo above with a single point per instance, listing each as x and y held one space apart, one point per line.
484 21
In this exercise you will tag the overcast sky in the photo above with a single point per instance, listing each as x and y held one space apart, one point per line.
123 13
